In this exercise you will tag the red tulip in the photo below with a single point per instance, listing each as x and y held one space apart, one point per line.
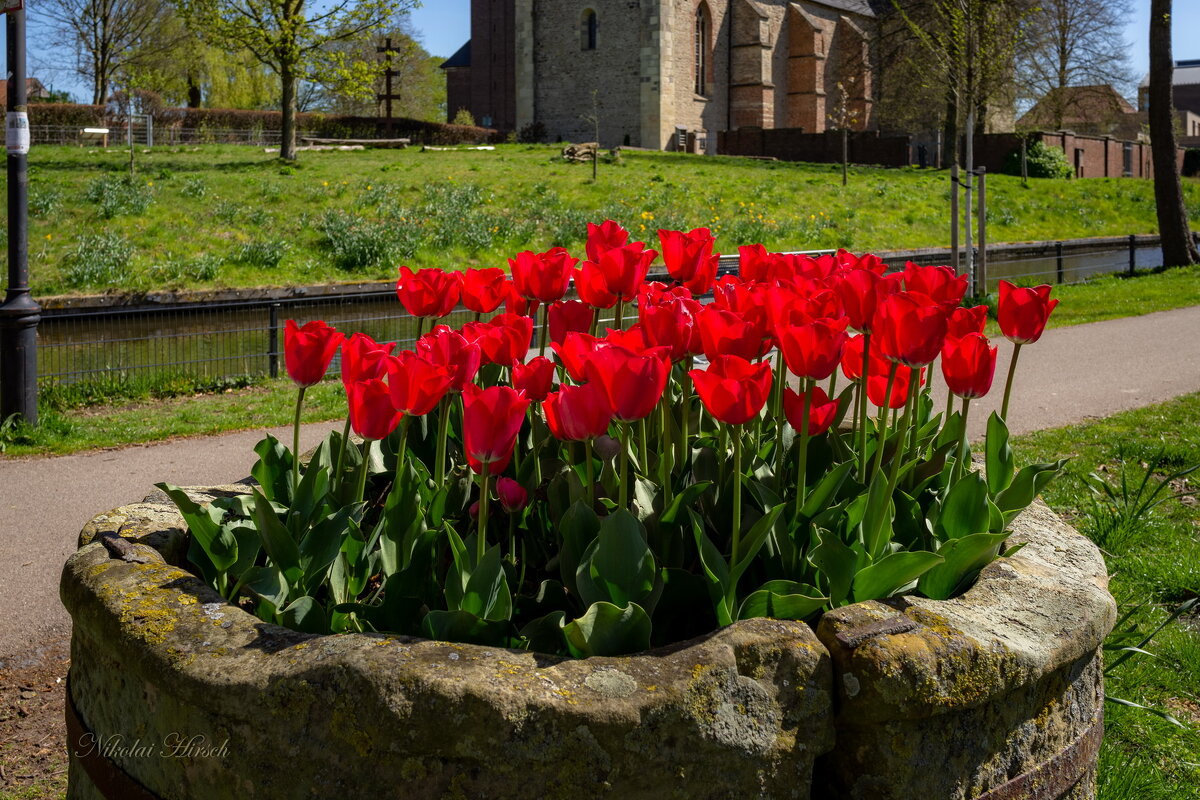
417 384
813 350
372 415
668 324
852 357
506 339
572 315
689 258
754 263
1023 312
534 378
624 268
938 283
969 364
492 419
363 357
592 287
877 384
428 292
821 410
909 330
574 351
861 290
726 333
575 413
513 497
604 237
633 382
733 389
483 290
651 293
543 276
966 320
632 338
308 350
453 350
518 305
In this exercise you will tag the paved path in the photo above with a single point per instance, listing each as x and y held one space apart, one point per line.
1073 374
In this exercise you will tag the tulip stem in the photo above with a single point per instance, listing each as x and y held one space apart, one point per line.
591 479
360 491
619 314
545 330
777 409
420 329
484 502
665 454
735 555
685 392
862 404
962 443
883 414
341 459
623 486
595 322
802 455
296 444
643 452
439 468
403 445
1012 368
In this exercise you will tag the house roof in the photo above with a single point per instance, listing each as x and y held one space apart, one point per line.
1079 104
33 89
461 58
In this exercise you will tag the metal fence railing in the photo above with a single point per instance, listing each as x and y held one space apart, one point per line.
163 135
245 338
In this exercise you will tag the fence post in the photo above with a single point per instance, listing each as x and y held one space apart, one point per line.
981 265
954 217
1132 253
273 341
1058 256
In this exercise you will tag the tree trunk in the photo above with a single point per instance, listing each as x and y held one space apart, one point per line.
1177 246
194 97
950 131
287 139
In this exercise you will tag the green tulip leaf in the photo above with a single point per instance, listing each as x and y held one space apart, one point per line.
965 509
545 634
836 562
273 470
964 556
486 593
1026 486
266 583
620 563
998 455
682 501
217 541
820 496
277 541
463 626
780 599
305 614
892 573
608 630
753 541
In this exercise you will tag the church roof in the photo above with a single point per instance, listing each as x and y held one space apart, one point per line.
863 7
462 58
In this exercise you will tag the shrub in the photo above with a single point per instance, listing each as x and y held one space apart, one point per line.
1041 161
463 117
266 254
194 187
357 243
97 260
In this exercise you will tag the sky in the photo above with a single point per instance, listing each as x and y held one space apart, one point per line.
444 25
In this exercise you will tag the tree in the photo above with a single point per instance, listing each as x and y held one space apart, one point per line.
110 36
1178 248
1073 43
968 47
295 42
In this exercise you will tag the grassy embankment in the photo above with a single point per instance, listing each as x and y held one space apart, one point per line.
234 216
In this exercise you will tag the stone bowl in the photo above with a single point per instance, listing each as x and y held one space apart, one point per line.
174 693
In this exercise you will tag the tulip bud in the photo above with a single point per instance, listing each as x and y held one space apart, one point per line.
513 496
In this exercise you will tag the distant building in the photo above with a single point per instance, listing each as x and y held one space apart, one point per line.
667 74
1089 110
34 90
1186 90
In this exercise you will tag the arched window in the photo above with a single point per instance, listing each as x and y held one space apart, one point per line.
703 27
587 30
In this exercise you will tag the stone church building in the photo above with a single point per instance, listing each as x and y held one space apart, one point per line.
664 74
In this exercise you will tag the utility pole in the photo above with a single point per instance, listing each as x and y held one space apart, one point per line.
19 314
387 97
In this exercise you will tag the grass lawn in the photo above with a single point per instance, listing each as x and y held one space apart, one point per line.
235 216
1154 561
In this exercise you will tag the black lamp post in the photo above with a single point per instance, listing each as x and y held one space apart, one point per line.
19 314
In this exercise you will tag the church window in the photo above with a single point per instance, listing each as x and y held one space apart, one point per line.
702 46
587 30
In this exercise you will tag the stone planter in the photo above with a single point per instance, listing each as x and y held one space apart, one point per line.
175 694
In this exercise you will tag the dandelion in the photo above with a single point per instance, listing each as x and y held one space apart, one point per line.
49 236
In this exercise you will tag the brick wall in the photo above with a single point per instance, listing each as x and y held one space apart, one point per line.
458 91
793 144
493 63
1090 156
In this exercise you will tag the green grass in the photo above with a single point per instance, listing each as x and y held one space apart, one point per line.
235 216
1154 568
268 405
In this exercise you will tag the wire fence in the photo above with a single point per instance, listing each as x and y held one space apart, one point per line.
214 341
166 135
